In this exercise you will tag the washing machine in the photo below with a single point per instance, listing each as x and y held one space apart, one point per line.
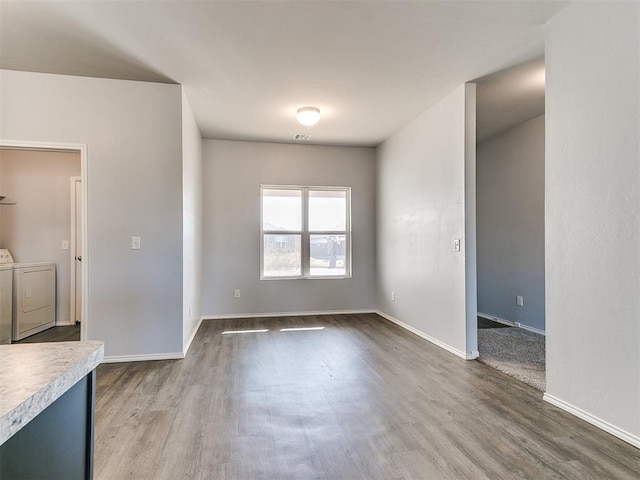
34 297
6 302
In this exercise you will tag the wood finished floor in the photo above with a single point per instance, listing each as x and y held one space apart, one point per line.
360 399
66 333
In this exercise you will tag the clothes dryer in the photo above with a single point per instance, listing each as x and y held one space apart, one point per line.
34 296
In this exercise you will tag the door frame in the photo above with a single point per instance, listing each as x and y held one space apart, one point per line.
80 148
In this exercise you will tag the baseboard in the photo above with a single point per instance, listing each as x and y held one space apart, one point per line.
229 316
512 324
459 353
65 324
531 329
193 335
598 422
154 356
142 358
497 319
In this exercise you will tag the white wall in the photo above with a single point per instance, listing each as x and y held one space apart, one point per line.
421 195
469 247
33 229
232 175
192 220
593 212
134 145
510 180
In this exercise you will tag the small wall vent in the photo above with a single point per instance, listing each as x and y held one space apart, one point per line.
305 137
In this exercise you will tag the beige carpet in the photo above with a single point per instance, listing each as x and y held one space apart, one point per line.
516 352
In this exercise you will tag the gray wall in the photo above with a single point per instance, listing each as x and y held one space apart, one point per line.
232 175
510 231
421 210
134 142
592 219
33 229
192 221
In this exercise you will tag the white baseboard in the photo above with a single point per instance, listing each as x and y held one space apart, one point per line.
154 356
511 324
459 353
598 422
497 319
68 323
228 316
193 335
143 358
531 329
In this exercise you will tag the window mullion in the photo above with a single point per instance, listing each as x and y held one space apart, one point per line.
328 232
348 234
306 248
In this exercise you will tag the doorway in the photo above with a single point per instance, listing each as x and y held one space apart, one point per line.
48 224
510 221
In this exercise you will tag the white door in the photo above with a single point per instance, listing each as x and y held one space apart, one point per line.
76 253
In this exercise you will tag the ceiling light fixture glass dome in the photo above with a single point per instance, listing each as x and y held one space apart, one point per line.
308 115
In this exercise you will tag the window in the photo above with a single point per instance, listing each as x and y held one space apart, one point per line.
306 232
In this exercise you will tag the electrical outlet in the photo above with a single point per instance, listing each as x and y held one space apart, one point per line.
520 300
236 293
393 296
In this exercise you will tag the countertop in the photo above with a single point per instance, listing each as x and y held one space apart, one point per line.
34 375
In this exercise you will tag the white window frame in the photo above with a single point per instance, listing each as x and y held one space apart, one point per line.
305 234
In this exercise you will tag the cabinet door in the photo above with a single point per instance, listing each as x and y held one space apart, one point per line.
56 444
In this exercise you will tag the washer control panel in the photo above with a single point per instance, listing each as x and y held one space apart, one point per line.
5 256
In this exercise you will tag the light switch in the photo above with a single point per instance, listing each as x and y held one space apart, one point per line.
135 243
65 244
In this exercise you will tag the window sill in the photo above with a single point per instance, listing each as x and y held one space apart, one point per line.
345 277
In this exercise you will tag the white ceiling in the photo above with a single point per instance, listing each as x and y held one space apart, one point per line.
371 67
509 97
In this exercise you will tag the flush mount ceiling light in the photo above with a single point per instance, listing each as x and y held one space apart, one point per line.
308 115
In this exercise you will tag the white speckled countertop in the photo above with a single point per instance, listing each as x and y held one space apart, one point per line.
34 375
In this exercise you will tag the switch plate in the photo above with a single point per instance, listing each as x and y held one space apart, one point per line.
520 300
236 293
456 245
65 244
135 243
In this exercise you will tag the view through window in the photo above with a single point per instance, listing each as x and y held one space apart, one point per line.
305 232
